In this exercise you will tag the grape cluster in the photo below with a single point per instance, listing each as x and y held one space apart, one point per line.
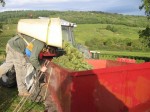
72 59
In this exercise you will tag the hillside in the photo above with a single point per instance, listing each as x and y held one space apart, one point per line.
79 17
85 32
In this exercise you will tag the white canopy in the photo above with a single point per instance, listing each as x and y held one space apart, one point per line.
46 30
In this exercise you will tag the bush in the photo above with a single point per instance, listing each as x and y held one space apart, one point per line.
111 28
145 35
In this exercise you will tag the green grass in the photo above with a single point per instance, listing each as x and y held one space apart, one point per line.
140 57
9 100
127 53
85 32
9 30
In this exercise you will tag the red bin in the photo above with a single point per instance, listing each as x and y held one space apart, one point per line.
111 86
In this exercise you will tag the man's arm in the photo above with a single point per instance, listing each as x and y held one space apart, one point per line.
37 47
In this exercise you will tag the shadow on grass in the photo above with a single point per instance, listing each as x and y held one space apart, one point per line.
9 100
7 96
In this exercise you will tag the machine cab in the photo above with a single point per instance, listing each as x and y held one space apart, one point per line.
65 33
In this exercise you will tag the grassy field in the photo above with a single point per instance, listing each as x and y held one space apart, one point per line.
85 32
125 53
140 57
9 30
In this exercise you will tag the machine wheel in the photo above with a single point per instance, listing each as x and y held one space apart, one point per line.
9 79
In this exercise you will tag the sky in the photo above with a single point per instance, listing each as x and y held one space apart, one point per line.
126 7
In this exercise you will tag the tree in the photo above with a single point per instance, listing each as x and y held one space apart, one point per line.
146 6
145 35
2 2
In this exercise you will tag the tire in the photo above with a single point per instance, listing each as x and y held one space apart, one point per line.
9 79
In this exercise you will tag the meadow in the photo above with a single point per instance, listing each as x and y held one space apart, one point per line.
85 32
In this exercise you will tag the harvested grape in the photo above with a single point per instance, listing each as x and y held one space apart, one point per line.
72 59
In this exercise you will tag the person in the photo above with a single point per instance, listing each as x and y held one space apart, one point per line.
15 56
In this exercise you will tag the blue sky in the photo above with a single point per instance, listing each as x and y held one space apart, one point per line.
127 7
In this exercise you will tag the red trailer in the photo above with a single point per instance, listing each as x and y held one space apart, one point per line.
111 86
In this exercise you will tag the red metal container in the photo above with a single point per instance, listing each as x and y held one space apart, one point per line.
111 86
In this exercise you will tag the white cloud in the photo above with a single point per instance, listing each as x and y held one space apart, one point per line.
22 2
114 6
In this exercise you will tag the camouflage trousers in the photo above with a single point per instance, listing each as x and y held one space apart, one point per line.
16 59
